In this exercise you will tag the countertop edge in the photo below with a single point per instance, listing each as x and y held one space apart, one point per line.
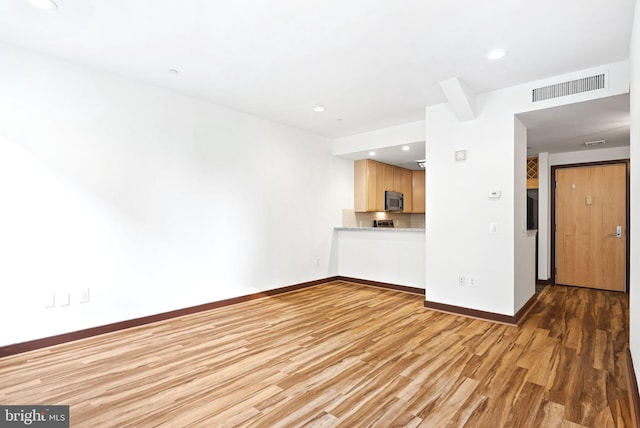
389 229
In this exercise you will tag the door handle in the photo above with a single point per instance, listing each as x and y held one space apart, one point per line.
618 233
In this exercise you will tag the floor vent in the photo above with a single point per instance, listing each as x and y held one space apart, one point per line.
571 87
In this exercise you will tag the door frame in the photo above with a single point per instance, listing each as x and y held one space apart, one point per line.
552 181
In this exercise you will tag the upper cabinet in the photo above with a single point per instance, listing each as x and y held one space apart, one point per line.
373 178
388 177
532 173
418 185
406 187
368 178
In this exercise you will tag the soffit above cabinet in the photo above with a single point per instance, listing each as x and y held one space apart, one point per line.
394 155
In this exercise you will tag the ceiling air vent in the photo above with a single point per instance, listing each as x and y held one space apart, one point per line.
571 87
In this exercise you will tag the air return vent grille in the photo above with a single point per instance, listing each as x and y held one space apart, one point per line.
571 87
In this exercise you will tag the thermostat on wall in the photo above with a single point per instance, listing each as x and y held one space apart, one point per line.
495 194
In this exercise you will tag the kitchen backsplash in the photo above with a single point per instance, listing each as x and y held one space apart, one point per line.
350 218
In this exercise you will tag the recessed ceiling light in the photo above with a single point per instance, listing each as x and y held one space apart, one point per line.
173 71
496 54
372 153
44 4
405 148
318 109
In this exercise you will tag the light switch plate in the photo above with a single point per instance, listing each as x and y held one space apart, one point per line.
493 228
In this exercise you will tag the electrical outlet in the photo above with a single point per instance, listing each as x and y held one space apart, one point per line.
462 280
50 301
64 299
317 261
85 296
471 281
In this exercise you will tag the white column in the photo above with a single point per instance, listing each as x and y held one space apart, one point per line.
544 217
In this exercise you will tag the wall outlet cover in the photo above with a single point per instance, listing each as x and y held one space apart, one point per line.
493 228
64 299
50 301
471 281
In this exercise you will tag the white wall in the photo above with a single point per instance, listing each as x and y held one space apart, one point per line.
153 200
458 210
546 161
594 155
523 244
391 256
634 285
385 137
544 218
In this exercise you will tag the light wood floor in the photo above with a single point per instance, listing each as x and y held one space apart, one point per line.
343 355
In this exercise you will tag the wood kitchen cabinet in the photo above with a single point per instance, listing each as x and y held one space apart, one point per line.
406 187
372 179
418 185
368 185
388 177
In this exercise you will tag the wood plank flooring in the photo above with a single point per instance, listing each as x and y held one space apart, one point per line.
346 355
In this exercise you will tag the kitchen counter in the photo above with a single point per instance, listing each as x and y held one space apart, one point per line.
393 229
383 254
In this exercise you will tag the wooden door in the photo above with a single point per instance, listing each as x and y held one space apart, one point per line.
590 206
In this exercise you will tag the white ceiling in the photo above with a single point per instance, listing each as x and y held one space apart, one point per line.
395 155
567 128
371 63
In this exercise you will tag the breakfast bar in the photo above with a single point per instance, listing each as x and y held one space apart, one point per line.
391 255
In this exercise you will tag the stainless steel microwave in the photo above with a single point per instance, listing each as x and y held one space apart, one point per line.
393 201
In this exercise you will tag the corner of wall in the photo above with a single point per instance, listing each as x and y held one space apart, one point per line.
634 280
